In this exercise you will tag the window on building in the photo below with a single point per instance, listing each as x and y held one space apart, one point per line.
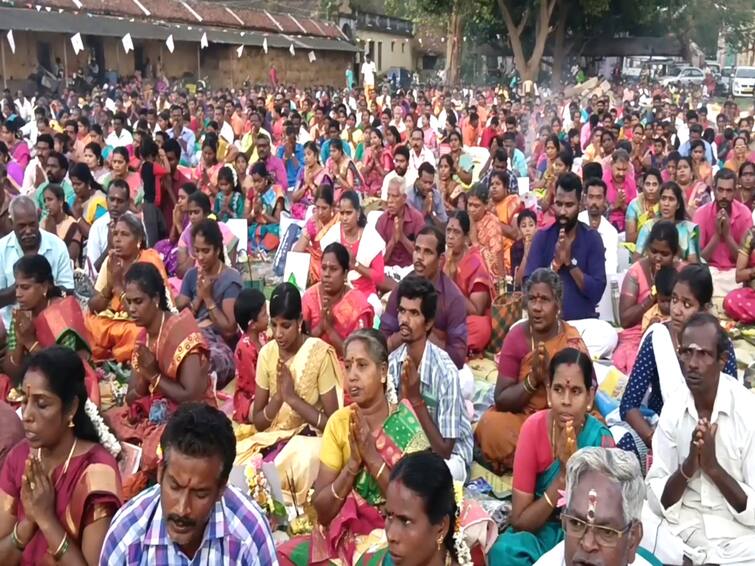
393 46
379 55
403 47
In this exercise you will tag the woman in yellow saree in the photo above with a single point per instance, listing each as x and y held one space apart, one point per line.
361 444
113 332
299 385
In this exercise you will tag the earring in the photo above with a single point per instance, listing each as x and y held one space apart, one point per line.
382 380
589 408
549 402
70 423
440 542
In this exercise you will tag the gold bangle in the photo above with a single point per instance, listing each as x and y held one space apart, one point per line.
62 548
319 418
264 414
548 500
153 387
34 346
381 470
211 307
17 541
333 491
681 471
528 387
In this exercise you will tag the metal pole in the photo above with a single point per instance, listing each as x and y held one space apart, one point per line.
65 63
199 64
5 72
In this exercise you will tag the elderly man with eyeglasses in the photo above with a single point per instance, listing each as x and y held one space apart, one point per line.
601 520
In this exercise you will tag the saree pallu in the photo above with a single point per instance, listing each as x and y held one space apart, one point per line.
314 369
497 432
89 490
351 313
506 211
630 338
359 525
490 239
181 337
523 548
472 272
316 234
113 332
739 305
221 356
299 208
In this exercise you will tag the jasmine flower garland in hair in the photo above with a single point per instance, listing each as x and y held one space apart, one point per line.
107 438
463 553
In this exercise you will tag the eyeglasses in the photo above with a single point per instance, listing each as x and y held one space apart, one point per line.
604 536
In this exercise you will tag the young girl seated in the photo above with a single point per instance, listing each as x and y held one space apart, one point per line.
251 316
663 284
527 224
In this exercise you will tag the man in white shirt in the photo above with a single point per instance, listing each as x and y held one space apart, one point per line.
604 493
120 136
593 215
24 105
701 486
35 173
368 74
118 202
419 154
400 170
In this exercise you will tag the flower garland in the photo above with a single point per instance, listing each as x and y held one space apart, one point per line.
390 392
234 174
463 554
107 438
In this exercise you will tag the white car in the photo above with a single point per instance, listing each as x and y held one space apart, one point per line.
743 81
685 76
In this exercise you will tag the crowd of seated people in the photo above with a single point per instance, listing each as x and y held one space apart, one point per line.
461 254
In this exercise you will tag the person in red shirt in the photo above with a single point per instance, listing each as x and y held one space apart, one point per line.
471 130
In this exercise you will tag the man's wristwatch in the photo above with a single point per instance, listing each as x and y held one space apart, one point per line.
572 264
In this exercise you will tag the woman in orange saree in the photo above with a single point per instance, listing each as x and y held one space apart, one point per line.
465 266
486 230
522 369
323 218
112 330
506 207
331 310
170 367
47 501
43 318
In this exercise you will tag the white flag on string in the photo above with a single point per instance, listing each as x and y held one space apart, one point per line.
169 43
203 43
312 57
240 50
78 43
292 50
264 45
11 41
128 43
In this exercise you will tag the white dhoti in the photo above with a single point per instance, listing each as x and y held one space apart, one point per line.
672 543
458 468
598 335
724 282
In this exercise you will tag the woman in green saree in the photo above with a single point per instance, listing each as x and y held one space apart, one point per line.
547 440
360 446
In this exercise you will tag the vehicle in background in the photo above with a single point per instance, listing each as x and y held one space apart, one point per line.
743 81
684 76
714 68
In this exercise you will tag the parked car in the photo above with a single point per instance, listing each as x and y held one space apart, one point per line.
685 76
743 81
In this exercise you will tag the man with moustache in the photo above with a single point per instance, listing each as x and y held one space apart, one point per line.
400 170
701 485
596 204
602 527
723 224
424 375
449 330
576 253
191 516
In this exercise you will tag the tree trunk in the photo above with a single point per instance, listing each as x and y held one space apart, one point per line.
559 47
453 48
528 68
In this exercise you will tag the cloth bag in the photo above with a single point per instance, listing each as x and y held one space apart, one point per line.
505 311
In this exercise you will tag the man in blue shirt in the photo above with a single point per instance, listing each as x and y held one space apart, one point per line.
292 155
696 133
573 250
334 133
425 197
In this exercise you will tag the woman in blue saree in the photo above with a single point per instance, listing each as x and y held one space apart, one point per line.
547 439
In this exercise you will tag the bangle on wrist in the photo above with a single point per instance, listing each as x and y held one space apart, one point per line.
333 491
155 381
319 419
62 548
212 307
16 540
381 470
685 476
548 500
264 414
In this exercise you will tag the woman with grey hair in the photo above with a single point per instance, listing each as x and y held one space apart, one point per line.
113 332
605 493
523 368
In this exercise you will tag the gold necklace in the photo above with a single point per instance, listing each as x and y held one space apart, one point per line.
159 334
67 462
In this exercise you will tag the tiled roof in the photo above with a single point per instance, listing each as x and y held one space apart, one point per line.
191 12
